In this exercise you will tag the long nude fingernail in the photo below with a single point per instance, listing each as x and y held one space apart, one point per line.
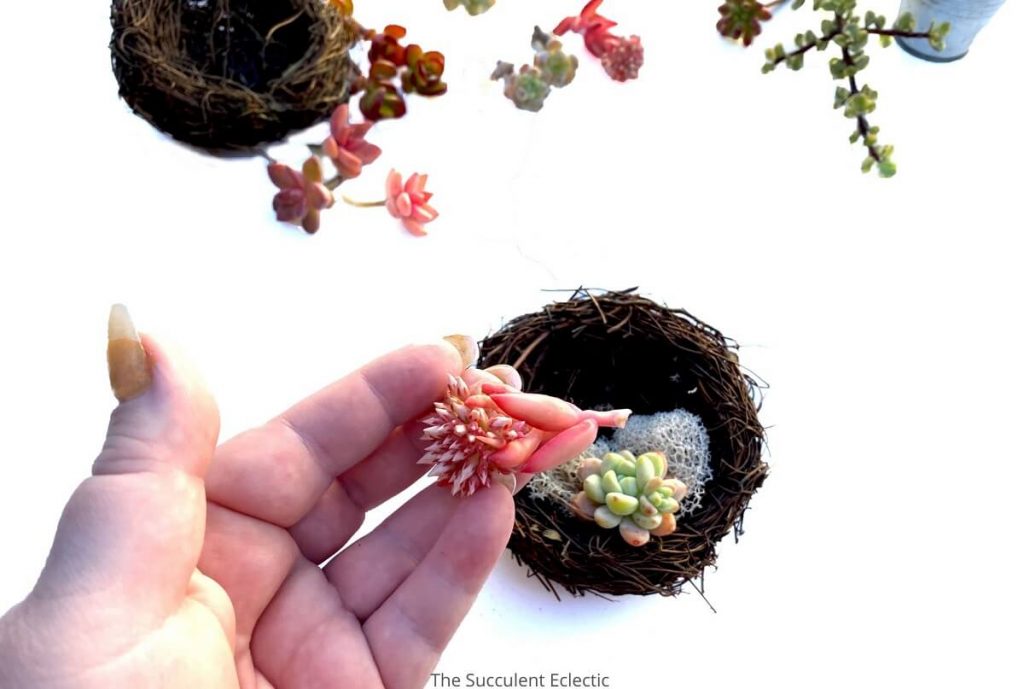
130 374
468 349
507 375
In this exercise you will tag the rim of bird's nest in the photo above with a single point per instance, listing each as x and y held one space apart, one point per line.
231 75
621 349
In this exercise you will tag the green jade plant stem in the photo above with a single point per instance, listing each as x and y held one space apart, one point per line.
848 34
631 493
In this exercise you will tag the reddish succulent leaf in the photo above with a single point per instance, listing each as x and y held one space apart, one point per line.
383 70
386 47
590 9
382 102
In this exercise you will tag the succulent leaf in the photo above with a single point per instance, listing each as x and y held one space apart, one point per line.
610 482
605 518
634 534
629 485
644 470
646 521
621 504
593 488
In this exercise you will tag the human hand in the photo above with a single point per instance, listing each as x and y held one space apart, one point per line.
182 564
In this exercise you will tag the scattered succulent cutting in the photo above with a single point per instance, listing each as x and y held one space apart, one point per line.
530 85
741 19
302 194
845 31
621 57
474 7
482 432
409 201
630 493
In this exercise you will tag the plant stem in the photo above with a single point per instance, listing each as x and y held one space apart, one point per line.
800 51
862 122
363 204
896 32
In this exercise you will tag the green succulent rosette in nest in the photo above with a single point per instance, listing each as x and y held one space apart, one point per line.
619 349
230 75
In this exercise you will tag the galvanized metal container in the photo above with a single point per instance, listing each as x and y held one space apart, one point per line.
966 17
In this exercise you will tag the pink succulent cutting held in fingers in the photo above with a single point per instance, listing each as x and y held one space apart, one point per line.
482 432
347 147
409 201
303 194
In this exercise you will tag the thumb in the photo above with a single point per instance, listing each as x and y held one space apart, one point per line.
133 531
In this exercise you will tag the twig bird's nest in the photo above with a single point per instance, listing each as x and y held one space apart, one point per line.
231 74
620 349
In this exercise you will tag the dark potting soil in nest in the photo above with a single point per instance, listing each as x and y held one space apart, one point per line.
231 74
619 349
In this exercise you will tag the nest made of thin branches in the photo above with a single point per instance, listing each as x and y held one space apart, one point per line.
229 75
623 350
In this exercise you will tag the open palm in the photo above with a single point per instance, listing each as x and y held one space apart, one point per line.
181 565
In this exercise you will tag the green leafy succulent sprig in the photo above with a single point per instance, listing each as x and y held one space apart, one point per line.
848 33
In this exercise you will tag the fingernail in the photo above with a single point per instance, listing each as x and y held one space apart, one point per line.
468 349
522 480
506 480
507 375
126 359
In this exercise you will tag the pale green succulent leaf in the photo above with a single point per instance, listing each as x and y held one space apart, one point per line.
644 470
593 488
669 506
605 518
646 521
621 504
610 483
629 485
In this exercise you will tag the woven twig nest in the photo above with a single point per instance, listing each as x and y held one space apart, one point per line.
624 350
231 74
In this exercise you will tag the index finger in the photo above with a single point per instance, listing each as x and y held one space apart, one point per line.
277 472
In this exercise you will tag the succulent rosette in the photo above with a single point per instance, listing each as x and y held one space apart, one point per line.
482 431
630 493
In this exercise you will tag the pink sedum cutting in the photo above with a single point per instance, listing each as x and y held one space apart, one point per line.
303 194
347 147
623 58
409 202
479 433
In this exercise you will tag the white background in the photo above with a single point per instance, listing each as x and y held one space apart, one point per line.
883 549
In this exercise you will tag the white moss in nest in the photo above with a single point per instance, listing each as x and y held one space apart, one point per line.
679 434
558 484
684 440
